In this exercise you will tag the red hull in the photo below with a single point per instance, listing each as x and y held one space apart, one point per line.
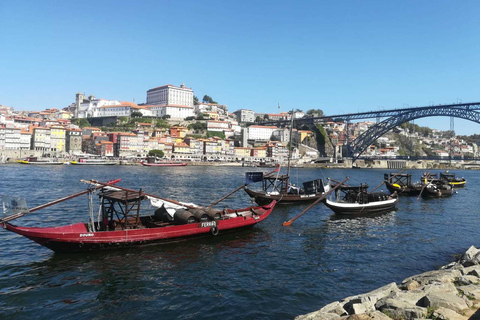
166 164
76 237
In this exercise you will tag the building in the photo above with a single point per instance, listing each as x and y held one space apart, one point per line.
171 95
261 132
245 115
41 139
57 139
74 141
175 112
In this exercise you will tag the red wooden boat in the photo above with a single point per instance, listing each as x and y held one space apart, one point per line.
122 225
164 164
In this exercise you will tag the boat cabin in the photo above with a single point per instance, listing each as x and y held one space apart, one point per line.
399 180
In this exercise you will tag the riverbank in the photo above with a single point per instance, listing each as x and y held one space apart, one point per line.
452 292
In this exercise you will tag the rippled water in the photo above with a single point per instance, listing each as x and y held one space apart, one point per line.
267 272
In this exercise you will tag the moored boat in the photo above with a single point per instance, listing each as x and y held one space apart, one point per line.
122 222
164 164
437 188
452 180
36 161
97 162
401 183
355 200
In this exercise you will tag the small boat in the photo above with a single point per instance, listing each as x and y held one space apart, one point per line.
401 183
452 180
164 164
355 200
36 161
122 222
96 162
279 189
436 188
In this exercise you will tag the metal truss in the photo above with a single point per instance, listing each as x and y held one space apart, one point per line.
375 114
363 141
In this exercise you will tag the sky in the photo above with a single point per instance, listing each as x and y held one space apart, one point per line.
339 56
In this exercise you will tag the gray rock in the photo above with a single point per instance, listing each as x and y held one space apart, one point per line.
438 287
375 315
471 257
445 275
472 292
318 316
371 297
400 300
410 285
472 271
406 313
467 280
334 307
447 314
443 299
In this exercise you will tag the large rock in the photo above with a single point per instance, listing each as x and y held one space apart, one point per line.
472 271
375 315
400 300
406 313
443 299
471 257
365 303
467 280
445 275
447 314
471 292
410 285
331 311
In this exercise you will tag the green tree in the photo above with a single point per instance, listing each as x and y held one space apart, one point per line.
83 122
207 99
219 134
167 116
258 119
161 123
266 117
190 118
195 100
156 153
315 112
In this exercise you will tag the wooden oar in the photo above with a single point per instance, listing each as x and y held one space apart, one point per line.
228 195
289 222
147 194
425 185
396 174
338 182
277 168
51 203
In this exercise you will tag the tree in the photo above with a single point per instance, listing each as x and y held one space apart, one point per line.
207 99
266 117
83 122
136 114
190 118
258 119
195 100
167 116
315 112
156 153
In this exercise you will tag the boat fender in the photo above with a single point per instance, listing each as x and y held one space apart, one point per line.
214 230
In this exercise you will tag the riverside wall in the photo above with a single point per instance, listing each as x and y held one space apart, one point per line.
452 292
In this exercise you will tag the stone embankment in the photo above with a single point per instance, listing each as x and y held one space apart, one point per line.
452 292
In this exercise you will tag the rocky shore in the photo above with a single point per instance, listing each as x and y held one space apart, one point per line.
452 292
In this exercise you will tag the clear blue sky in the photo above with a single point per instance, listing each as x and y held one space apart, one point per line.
339 56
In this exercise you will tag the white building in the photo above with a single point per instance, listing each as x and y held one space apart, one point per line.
171 95
89 107
123 109
245 115
177 112
221 109
261 132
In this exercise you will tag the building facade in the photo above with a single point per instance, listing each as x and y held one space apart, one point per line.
170 94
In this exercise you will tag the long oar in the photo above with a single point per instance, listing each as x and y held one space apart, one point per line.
289 222
147 194
51 203
228 195
381 184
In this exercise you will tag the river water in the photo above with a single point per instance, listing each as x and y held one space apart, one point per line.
266 272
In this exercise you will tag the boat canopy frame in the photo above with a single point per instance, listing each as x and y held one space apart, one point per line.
279 184
402 179
124 206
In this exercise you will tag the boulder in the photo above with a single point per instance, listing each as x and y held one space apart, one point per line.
471 292
472 271
467 280
444 275
400 300
406 313
443 299
369 299
447 314
334 307
318 316
375 315
410 285
471 257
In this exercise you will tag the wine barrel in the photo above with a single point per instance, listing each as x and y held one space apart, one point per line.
213 214
200 215
184 217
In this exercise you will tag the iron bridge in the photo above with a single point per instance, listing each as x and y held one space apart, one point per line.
394 118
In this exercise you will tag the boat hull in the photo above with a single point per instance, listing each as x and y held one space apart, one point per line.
262 198
180 164
343 208
76 237
403 190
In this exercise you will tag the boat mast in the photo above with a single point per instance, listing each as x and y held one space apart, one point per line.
289 150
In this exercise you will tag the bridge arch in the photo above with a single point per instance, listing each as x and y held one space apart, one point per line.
363 141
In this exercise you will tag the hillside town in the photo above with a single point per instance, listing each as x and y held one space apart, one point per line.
176 123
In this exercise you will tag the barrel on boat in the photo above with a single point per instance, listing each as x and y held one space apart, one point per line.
184 217
199 214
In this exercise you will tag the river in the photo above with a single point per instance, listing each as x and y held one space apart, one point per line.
266 272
